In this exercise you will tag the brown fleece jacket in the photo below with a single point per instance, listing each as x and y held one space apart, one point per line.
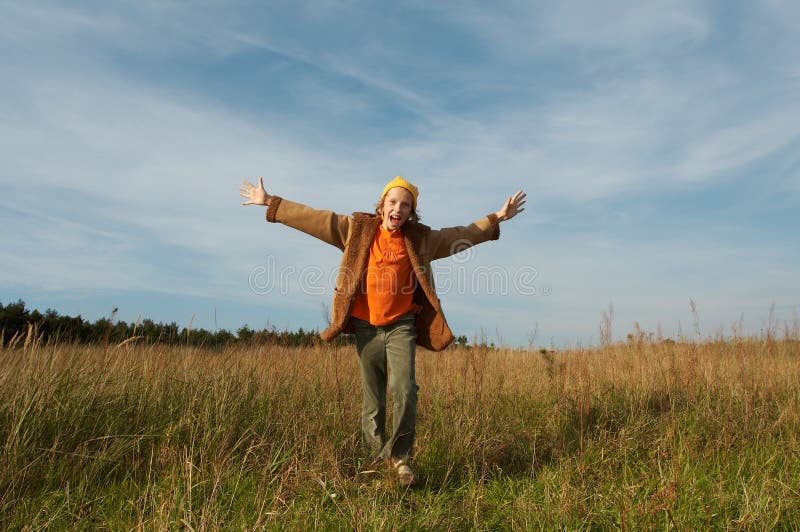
353 235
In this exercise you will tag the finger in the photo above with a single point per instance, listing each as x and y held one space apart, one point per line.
261 182
247 203
520 203
248 183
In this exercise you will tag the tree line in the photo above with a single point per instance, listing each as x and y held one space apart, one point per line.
18 323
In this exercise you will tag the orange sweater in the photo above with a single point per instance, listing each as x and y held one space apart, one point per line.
387 288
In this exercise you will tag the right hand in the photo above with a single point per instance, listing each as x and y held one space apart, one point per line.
256 195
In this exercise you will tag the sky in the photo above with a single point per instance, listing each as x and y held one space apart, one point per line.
658 143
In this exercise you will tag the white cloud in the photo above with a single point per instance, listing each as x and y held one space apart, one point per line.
729 149
625 24
153 169
523 29
646 282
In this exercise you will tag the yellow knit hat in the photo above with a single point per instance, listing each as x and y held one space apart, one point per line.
402 183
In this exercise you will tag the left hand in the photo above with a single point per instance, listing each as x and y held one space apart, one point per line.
512 207
256 195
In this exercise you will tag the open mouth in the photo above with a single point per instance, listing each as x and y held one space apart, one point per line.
395 219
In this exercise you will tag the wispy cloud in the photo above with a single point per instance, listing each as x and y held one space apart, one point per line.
517 30
126 129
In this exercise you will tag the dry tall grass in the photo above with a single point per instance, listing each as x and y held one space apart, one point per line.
632 434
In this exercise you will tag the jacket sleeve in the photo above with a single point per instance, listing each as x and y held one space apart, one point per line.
325 225
451 240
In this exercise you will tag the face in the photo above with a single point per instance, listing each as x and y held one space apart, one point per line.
396 208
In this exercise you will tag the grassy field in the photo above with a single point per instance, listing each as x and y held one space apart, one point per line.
640 434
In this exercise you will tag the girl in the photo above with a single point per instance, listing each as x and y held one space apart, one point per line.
385 295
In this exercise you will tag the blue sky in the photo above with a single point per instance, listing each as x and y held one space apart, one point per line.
658 143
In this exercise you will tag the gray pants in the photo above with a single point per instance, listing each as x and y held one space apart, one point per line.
394 344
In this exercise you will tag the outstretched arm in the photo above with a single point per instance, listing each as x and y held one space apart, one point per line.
451 240
255 195
512 207
325 225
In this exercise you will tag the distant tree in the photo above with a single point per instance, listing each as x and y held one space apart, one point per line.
15 317
245 333
224 338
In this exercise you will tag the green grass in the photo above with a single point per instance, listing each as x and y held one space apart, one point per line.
636 435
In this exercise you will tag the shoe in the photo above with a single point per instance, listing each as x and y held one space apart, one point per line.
405 476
